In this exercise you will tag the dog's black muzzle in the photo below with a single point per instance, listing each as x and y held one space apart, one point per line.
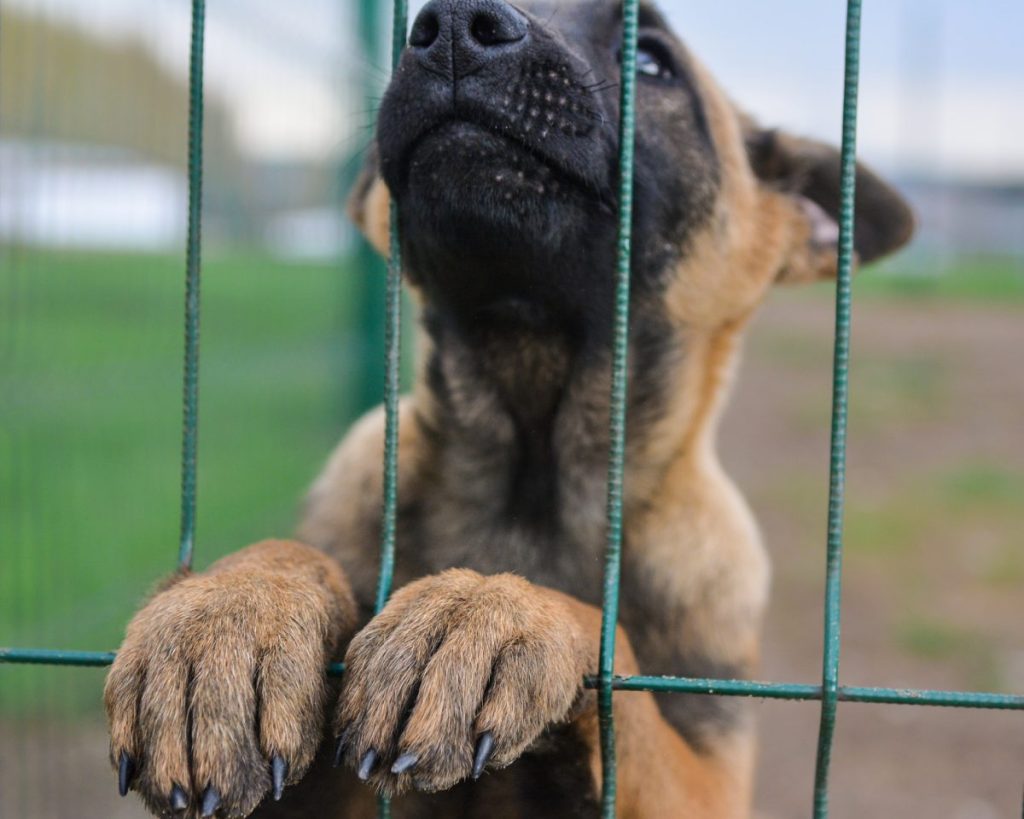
479 80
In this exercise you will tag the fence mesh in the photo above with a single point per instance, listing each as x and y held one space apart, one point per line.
829 693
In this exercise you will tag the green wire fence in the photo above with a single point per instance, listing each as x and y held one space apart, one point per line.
190 432
829 693
617 406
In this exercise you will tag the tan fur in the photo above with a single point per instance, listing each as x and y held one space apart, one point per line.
499 636
372 214
221 671
258 625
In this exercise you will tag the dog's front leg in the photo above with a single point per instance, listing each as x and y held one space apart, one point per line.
463 671
459 671
218 692
659 775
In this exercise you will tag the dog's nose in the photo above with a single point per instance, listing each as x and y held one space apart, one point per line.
457 37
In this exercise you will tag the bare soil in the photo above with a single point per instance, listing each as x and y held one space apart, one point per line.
937 403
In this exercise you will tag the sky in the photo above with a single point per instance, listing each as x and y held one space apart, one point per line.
941 91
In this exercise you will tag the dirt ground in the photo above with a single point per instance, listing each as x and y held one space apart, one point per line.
934 569
933 590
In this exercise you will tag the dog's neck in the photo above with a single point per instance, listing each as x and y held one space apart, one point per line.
529 410
504 369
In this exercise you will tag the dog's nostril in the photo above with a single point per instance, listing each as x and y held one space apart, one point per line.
424 30
490 29
484 29
456 37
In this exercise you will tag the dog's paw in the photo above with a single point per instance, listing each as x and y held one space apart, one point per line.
217 694
458 672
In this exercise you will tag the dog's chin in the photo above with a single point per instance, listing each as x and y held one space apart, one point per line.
495 232
474 185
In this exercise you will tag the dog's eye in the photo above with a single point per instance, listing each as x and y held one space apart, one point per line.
652 61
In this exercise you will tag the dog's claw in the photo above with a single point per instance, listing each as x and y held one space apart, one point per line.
484 749
278 772
179 799
125 773
211 801
339 750
404 762
367 765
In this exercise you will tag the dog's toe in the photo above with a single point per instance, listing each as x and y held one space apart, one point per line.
458 673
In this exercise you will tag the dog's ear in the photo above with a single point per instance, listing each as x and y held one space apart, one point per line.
808 174
369 203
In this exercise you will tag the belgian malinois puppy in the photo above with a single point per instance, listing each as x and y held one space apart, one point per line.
497 139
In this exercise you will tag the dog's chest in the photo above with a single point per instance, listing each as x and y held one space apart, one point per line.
496 511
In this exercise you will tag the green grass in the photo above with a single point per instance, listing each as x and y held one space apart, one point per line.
955 500
967 279
901 389
983 485
90 400
1005 570
983 279
934 640
944 642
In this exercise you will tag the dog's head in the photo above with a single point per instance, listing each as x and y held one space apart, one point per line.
498 140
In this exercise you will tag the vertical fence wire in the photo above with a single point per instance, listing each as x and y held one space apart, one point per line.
190 422
840 382
617 406
393 346
392 363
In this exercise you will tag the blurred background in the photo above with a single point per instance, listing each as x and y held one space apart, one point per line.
92 220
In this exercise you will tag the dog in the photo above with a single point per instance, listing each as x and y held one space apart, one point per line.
497 140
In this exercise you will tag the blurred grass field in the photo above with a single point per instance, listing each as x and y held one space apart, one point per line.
969 280
90 449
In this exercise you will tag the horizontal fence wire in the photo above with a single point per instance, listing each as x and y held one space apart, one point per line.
617 406
56 656
840 401
800 691
654 684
